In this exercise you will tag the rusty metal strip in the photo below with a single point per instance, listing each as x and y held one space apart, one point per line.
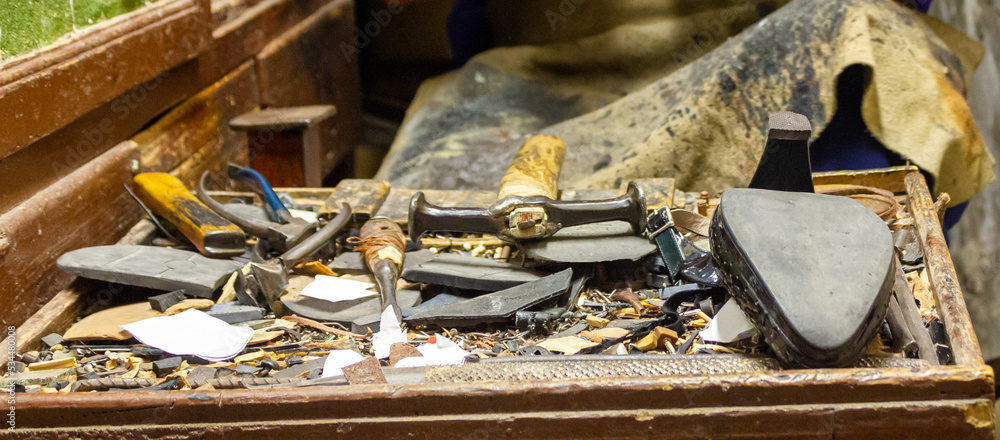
941 271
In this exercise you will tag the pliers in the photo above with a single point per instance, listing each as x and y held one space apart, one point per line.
283 233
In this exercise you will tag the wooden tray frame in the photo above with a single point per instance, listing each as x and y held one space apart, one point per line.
954 401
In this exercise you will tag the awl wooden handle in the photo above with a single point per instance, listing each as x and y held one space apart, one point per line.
167 197
535 169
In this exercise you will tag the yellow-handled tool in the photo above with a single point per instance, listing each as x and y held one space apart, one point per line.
527 207
167 197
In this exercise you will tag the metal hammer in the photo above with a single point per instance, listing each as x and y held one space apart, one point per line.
526 207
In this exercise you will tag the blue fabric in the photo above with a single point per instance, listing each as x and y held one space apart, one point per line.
846 143
468 30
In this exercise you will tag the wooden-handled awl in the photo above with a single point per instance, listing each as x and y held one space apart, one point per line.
527 207
383 244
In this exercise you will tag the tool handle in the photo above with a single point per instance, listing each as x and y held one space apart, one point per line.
167 197
260 185
535 169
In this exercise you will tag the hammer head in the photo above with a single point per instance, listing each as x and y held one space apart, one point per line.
516 218
292 233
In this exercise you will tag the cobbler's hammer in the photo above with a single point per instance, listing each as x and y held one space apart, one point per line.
527 207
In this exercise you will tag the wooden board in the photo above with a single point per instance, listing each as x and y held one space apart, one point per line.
87 208
28 171
91 68
306 66
364 196
62 310
939 402
195 136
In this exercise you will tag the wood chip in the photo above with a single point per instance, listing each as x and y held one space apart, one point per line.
249 357
188 304
315 268
52 365
105 325
566 345
605 333
597 322
260 336
316 325
648 342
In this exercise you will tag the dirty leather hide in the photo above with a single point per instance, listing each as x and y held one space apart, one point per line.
670 94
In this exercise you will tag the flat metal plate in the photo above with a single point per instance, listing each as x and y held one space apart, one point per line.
606 241
150 266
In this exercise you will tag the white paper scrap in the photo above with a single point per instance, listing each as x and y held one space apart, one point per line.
193 333
308 216
439 350
338 359
336 289
729 325
389 332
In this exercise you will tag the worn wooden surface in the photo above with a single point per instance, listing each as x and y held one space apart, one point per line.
889 179
90 69
941 272
363 195
240 35
305 66
195 136
62 310
932 403
87 208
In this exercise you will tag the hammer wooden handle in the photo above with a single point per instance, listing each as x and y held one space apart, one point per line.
535 169
167 197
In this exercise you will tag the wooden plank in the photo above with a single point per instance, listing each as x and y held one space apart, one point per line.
889 179
64 309
397 205
44 162
87 208
941 271
195 136
306 66
772 397
363 195
96 66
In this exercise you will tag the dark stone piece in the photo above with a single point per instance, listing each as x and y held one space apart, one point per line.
496 307
292 371
52 340
813 272
201 374
250 369
166 366
87 376
150 266
232 312
292 361
470 273
29 358
161 303
912 255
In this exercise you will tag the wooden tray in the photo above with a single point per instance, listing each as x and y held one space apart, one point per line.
954 401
